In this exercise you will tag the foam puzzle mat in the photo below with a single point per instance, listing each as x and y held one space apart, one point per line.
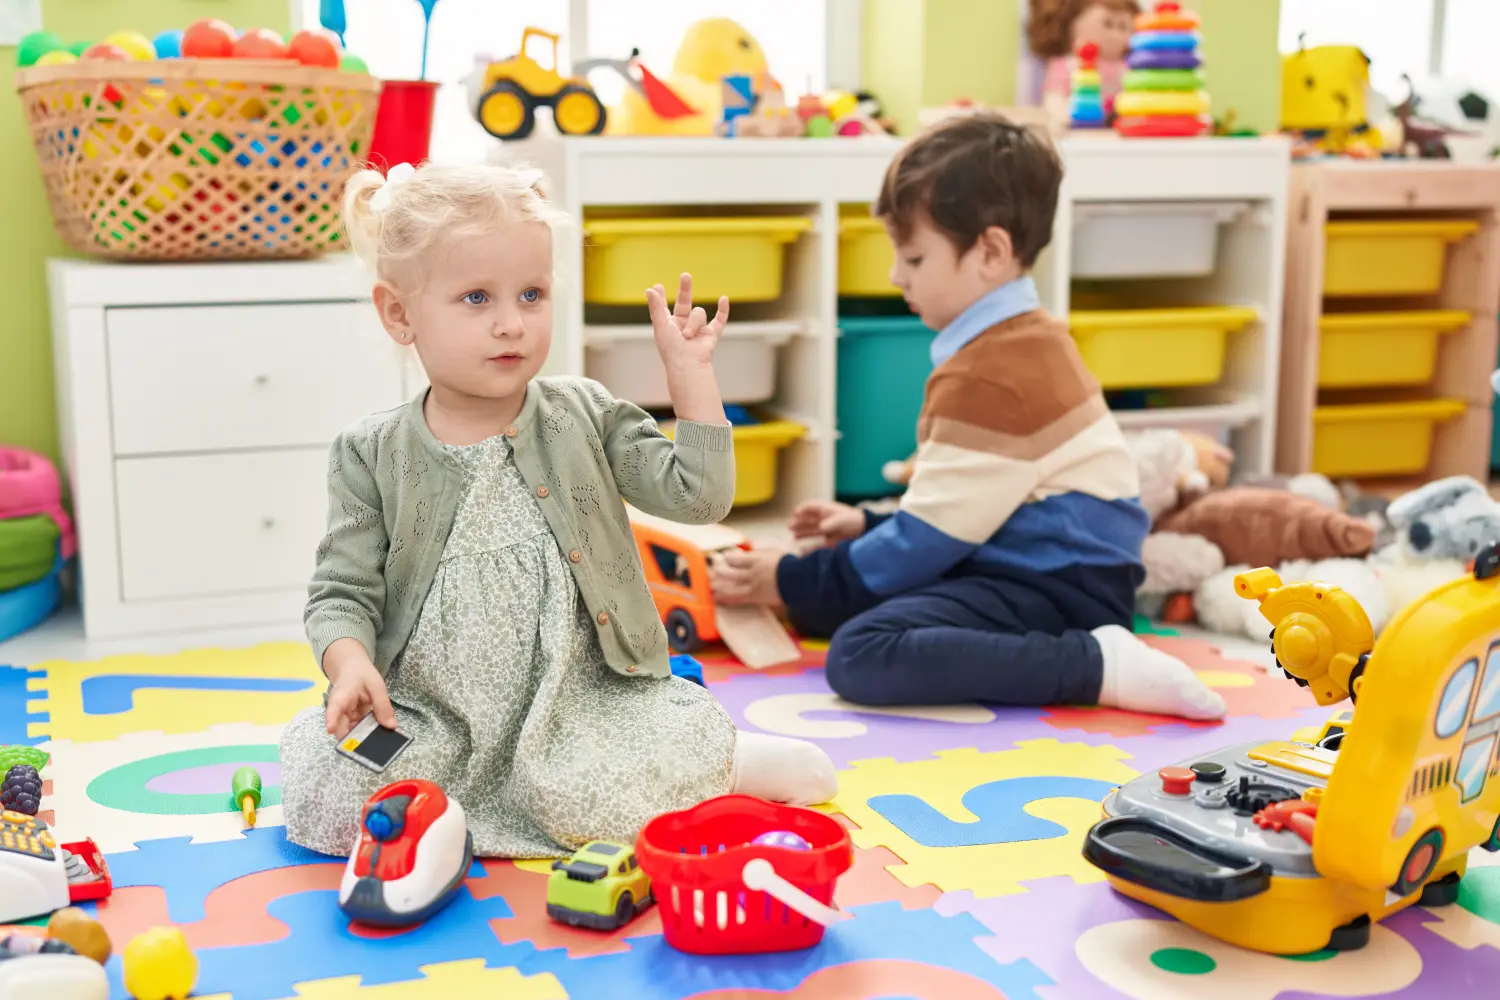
967 882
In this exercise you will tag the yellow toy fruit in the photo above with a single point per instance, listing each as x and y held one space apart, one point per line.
82 932
59 57
134 44
159 965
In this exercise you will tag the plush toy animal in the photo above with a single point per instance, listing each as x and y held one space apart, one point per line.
1450 518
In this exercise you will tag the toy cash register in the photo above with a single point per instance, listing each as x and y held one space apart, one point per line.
37 875
1293 846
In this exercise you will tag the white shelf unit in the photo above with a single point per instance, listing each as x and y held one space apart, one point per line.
1103 169
744 176
196 404
817 176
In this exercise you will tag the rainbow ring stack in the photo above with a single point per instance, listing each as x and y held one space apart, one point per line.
1162 93
1086 105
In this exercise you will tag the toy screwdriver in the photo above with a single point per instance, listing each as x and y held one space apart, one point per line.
245 787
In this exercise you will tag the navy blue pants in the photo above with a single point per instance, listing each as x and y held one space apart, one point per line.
1018 639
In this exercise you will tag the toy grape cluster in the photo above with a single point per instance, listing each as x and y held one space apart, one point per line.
209 38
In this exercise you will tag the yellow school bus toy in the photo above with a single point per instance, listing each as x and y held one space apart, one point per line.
1293 846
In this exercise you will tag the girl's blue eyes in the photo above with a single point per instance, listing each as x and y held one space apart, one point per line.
476 298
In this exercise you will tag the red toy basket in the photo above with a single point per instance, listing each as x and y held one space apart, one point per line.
721 895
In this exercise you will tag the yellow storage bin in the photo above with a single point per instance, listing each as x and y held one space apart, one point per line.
756 449
743 258
865 257
1377 439
1396 257
1394 348
1156 348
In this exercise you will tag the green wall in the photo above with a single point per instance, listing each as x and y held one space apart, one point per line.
27 410
925 53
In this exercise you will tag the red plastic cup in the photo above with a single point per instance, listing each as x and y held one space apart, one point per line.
403 123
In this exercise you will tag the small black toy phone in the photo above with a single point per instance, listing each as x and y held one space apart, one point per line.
373 745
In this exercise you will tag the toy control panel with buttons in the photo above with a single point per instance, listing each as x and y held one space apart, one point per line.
33 873
1247 801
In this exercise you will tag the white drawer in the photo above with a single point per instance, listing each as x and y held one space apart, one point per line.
210 378
204 525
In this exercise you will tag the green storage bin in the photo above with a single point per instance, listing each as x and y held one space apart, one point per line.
883 364
28 550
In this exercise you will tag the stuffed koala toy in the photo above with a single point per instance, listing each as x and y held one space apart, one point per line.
1451 518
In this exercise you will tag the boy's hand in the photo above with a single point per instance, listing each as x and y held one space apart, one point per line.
834 521
738 576
685 337
358 689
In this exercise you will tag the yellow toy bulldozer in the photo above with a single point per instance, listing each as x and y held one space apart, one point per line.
514 88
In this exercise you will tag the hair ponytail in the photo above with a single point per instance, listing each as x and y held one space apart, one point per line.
361 223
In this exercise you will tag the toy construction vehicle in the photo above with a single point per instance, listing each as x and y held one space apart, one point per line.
512 89
1293 846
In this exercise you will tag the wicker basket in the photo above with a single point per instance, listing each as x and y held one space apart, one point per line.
191 159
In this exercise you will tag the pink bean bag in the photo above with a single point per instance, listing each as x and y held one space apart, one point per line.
29 485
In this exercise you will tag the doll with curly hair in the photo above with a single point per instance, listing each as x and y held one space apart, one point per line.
1056 28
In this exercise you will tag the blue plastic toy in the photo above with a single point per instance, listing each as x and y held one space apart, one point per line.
168 45
688 669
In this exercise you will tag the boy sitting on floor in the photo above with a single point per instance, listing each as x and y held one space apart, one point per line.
1008 574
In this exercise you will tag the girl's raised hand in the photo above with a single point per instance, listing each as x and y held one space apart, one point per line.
685 336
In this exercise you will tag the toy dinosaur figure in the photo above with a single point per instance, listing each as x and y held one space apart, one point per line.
1429 138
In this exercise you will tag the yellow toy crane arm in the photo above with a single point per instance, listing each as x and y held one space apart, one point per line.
1320 636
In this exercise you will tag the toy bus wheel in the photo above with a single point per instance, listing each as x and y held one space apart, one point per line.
624 910
507 111
1420 861
682 632
1352 936
578 111
1493 844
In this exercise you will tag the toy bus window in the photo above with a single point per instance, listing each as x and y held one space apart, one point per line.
673 567
1453 709
1474 767
1488 702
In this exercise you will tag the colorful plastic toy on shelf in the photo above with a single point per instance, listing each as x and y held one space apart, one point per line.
1162 93
601 887
675 558
1324 97
413 854
1293 846
1086 100
721 892
512 90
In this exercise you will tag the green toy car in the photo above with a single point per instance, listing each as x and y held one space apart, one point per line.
601 886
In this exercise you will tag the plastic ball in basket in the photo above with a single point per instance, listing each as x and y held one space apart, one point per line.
197 158
722 894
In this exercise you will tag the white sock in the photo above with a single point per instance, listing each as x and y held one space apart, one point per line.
781 769
1142 678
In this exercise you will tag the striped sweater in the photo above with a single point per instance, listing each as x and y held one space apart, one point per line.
1019 466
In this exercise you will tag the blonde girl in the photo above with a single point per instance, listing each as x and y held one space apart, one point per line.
478 585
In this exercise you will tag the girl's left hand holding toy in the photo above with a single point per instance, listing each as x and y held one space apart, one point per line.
685 339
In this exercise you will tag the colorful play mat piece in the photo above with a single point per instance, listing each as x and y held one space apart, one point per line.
968 883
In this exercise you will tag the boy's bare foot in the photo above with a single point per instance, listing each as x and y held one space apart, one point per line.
1141 678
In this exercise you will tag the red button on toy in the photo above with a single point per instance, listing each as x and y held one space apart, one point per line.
1176 780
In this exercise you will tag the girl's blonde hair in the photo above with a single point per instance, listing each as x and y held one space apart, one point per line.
415 213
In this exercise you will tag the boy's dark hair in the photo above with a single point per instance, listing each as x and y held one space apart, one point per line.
972 172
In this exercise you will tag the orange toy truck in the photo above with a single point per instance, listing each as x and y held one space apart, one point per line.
675 559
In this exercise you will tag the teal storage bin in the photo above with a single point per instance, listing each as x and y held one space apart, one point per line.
883 366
